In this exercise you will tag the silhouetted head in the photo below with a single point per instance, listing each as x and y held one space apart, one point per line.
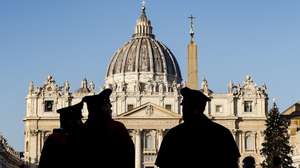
249 162
70 117
99 105
193 103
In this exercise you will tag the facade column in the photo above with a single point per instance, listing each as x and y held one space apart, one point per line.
236 137
39 144
256 142
123 102
160 137
233 132
44 134
208 105
138 148
260 139
241 142
33 153
238 140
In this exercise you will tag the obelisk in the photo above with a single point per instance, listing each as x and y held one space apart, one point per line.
192 76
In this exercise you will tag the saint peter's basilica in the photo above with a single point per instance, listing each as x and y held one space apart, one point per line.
146 81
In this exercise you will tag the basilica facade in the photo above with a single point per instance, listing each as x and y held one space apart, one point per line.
146 81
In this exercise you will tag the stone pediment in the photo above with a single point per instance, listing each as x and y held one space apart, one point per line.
49 89
248 89
149 110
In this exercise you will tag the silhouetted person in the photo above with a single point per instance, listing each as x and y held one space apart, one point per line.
198 142
249 162
108 143
59 147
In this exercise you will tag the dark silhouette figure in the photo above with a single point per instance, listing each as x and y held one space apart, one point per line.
249 162
59 147
198 142
108 143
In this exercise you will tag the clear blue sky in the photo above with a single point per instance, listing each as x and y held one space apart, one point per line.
76 39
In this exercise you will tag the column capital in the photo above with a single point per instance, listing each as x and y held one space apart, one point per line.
238 131
137 131
262 132
34 132
160 131
234 131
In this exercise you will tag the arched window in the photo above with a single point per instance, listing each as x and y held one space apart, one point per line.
249 161
249 141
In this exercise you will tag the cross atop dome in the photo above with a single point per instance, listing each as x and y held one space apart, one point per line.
143 4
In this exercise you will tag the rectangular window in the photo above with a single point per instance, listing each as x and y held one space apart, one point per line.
48 106
248 106
168 107
129 107
249 142
148 141
219 109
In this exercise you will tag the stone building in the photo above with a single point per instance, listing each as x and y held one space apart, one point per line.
292 114
9 158
146 81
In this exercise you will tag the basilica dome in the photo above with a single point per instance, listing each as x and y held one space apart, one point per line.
143 58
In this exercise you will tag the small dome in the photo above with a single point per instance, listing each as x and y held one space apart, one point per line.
143 54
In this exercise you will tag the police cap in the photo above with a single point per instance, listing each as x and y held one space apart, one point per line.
102 97
193 95
71 112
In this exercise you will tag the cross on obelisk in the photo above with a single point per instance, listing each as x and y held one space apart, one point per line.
192 27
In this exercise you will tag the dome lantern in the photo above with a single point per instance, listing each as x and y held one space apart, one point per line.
143 26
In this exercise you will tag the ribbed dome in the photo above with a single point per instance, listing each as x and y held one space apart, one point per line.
143 54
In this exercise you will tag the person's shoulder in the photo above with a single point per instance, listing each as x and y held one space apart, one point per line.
220 127
57 138
177 129
118 125
58 130
55 135
179 126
